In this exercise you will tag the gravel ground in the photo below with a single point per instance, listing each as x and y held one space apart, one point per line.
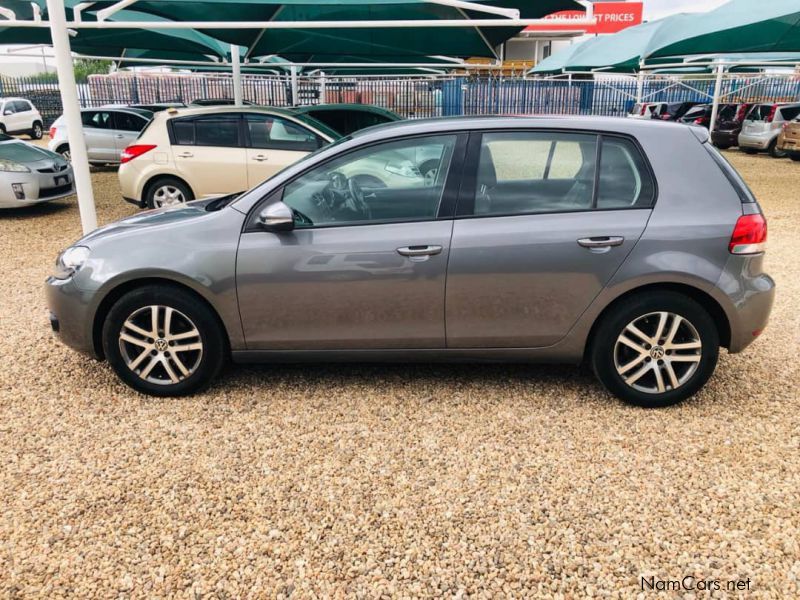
390 480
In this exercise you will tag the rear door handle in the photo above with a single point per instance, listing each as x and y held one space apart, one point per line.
419 250
119 136
261 158
601 242
186 155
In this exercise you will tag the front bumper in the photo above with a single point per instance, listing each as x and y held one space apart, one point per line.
71 315
24 189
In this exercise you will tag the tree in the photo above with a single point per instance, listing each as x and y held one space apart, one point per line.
87 66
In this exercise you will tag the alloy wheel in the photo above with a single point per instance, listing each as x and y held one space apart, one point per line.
160 344
658 352
168 195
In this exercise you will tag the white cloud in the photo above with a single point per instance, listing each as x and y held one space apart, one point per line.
655 9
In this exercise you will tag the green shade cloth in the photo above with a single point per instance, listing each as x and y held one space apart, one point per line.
736 27
113 42
401 41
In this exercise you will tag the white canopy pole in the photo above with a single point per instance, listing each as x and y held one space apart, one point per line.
323 88
293 71
715 101
237 75
72 114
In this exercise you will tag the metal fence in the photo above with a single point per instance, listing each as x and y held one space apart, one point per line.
411 97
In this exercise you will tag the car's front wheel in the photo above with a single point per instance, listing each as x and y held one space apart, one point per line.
655 349
163 341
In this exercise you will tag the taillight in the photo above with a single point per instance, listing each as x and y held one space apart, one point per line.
749 236
52 132
772 112
134 151
644 107
698 121
741 113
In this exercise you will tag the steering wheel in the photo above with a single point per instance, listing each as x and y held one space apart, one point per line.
357 198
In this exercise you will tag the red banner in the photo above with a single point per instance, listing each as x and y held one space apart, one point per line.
611 17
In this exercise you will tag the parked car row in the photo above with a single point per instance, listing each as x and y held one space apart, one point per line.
753 127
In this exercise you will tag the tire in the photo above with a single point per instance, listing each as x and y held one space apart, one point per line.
167 191
795 156
65 153
2 128
37 132
723 146
773 150
158 372
749 150
691 368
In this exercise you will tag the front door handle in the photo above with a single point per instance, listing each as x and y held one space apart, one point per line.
186 155
419 250
605 241
119 136
260 158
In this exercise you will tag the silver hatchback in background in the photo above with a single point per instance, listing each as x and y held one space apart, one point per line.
107 130
762 126
631 245
29 174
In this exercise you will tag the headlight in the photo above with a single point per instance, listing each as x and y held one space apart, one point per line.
404 170
12 167
70 261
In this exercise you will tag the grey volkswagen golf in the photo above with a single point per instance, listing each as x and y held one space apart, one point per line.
631 245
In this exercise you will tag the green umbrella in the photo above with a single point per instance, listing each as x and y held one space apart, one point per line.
740 26
400 41
558 62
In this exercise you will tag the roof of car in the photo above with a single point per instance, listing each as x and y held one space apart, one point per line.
273 110
445 124
347 106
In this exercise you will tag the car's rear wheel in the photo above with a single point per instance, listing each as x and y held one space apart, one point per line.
65 153
795 156
655 349
749 150
774 151
36 131
167 191
723 146
163 341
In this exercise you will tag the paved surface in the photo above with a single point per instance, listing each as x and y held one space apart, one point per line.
395 480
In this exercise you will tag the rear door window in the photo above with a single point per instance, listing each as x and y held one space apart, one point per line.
790 112
219 131
760 112
22 105
624 180
535 172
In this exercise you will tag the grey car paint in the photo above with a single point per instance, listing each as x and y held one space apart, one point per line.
362 301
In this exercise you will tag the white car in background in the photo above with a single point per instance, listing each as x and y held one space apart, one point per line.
18 115
107 130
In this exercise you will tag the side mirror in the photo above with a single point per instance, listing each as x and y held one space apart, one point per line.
8 112
276 217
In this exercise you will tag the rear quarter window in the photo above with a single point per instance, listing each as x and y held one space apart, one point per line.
790 112
732 175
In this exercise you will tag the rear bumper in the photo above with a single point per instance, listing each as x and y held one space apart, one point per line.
725 138
751 293
759 142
